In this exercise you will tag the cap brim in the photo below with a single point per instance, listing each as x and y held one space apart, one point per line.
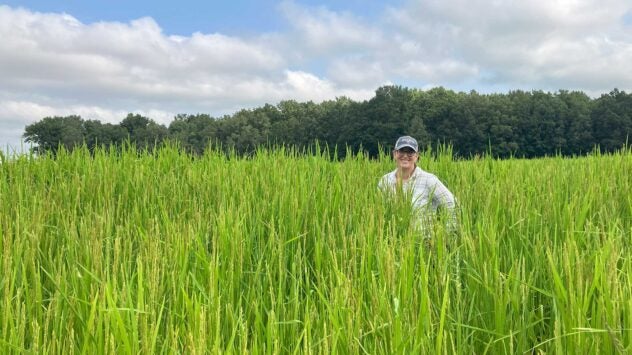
406 146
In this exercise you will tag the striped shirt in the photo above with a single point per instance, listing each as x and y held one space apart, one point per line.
428 196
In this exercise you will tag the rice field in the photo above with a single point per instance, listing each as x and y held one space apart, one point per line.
280 252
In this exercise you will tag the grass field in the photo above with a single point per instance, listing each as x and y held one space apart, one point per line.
285 253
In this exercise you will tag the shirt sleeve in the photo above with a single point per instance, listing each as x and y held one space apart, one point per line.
444 199
383 184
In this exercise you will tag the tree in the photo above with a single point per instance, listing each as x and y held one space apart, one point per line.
144 132
52 132
436 108
575 118
528 124
612 120
335 118
194 133
388 115
102 135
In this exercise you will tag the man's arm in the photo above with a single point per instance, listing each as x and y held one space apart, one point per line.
384 185
443 199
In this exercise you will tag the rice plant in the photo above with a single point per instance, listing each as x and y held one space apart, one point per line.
117 252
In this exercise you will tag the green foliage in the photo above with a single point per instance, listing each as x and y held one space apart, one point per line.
612 119
54 133
144 132
519 123
51 133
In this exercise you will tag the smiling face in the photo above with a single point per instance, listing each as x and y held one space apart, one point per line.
406 158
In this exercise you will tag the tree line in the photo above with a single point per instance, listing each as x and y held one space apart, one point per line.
518 123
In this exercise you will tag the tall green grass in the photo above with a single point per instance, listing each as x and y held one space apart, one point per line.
281 252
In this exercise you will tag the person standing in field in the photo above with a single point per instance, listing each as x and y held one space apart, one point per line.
427 192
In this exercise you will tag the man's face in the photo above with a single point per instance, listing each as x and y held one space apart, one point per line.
406 158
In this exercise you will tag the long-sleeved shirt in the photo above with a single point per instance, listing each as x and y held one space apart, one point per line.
428 195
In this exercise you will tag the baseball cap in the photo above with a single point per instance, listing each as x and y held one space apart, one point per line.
406 141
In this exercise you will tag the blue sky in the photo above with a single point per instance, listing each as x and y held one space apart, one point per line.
104 59
186 17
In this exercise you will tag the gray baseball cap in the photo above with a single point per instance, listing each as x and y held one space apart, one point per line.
406 141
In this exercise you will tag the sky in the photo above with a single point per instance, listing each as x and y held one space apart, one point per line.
104 59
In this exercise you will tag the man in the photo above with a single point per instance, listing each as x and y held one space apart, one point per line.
428 194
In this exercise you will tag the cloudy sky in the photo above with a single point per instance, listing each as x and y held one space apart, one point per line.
102 59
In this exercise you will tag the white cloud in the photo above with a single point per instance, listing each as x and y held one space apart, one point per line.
53 64
358 72
119 61
541 44
31 112
323 32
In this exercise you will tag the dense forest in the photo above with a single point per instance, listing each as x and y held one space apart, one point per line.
518 123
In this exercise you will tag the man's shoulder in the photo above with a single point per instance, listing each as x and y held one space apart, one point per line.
387 179
426 176
389 176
